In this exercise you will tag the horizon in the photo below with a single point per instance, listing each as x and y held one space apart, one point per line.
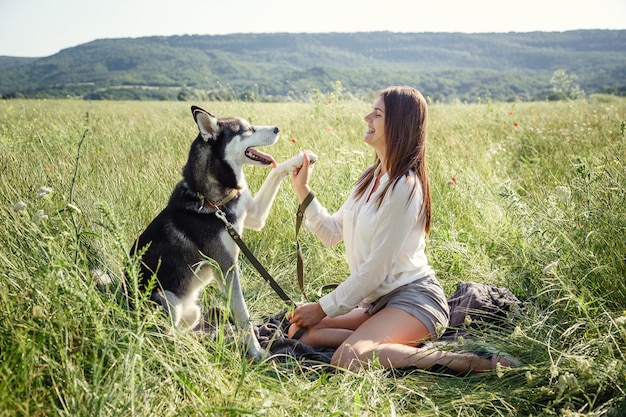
73 23
298 33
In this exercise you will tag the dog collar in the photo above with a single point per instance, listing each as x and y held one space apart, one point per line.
203 200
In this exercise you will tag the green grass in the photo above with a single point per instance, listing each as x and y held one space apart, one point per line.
539 206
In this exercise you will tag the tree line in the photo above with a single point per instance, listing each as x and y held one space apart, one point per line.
277 67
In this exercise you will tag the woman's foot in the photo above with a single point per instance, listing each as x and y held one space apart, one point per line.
474 363
504 360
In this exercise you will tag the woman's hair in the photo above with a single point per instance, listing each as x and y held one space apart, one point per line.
406 117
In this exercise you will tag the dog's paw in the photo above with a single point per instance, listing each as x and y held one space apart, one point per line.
255 352
295 162
312 157
258 356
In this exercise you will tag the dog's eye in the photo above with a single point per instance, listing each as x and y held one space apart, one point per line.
250 129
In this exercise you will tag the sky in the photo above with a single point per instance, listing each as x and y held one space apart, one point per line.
38 28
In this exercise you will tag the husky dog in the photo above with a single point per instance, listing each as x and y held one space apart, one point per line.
176 244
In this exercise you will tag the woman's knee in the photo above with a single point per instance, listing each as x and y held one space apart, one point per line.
351 356
293 330
307 336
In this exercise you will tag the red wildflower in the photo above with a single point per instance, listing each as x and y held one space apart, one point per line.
293 140
452 181
516 124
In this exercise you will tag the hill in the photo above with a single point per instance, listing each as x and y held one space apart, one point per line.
445 66
12 62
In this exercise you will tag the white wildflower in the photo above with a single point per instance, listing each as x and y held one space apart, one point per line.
19 206
549 269
529 377
39 216
584 367
517 333
74 208
554 371
563 193
566 382
43 191
499 370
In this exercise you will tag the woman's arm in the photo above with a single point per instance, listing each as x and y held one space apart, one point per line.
300 178
326 227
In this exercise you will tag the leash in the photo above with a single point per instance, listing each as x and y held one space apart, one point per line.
255 262
299 263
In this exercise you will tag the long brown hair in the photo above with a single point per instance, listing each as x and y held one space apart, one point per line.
406 120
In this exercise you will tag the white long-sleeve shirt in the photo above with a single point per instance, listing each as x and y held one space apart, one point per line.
384 246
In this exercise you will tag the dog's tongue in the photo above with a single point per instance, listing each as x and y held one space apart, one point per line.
261 156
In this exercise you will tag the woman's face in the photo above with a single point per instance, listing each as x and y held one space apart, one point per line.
375 134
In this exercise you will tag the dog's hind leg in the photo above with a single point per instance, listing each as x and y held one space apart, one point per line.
171 303
241 314
191 314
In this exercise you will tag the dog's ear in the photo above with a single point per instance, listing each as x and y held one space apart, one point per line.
207 123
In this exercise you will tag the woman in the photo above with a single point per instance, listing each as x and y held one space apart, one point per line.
383 225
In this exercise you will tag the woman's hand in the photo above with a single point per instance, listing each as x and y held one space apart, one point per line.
306 315
300 178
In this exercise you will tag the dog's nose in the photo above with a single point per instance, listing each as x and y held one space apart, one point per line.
276 130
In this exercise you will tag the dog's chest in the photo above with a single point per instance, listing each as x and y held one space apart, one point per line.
240 211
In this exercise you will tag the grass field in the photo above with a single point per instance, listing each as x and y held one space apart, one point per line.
528 196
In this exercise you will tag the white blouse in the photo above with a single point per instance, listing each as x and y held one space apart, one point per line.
384 246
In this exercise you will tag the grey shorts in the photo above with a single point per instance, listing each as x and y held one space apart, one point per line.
423 298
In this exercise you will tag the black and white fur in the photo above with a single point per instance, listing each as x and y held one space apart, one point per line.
176 243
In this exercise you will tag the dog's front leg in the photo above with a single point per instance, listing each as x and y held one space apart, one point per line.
241 314
259 207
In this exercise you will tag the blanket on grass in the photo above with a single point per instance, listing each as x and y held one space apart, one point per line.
474 308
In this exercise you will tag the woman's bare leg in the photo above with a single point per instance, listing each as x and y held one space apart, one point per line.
391 337
332 331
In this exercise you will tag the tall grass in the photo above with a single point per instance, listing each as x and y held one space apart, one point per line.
530 196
